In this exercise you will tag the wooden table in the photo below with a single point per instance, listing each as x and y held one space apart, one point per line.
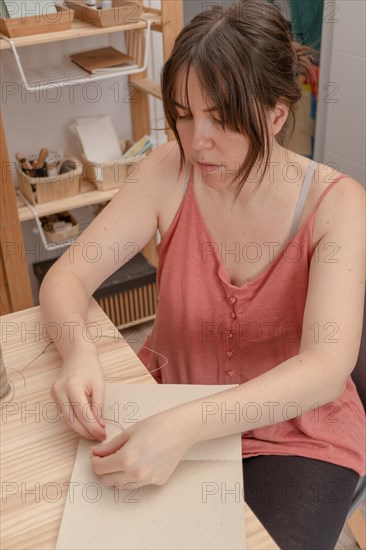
37 447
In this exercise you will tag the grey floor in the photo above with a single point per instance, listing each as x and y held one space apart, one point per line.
136 336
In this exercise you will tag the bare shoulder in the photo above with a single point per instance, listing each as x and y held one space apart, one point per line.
346 194
166 182
327 174
344 204
162 164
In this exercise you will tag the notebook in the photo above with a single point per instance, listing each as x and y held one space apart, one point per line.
200 507
102 60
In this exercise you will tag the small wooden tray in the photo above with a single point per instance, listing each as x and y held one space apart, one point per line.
37 24
123 12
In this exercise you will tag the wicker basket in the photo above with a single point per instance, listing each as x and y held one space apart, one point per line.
107 175
41 190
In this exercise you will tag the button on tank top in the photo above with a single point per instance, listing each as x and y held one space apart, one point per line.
208 331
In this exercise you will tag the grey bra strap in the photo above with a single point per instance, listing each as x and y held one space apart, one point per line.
302 198
187 178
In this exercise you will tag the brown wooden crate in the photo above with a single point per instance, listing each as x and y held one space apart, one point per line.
122 12
37 24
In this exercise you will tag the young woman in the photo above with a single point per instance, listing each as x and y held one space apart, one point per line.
261 281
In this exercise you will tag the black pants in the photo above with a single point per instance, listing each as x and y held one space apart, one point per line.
303 503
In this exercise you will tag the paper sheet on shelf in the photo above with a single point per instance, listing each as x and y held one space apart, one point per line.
3 10
99 139
200 507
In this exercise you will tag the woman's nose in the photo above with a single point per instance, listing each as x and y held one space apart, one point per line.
201 135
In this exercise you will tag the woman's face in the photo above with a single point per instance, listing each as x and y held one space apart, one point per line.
204 140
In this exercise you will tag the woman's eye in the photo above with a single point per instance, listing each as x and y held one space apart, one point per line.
183 117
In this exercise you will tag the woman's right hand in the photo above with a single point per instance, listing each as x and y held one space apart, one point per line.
79 391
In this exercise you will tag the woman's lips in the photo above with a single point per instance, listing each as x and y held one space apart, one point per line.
208 167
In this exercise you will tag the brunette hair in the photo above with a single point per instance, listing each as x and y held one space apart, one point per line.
245 60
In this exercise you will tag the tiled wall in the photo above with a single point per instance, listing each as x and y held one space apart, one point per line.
340 126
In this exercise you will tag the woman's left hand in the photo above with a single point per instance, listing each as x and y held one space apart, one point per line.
147 453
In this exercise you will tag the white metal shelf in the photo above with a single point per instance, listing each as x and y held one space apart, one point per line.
88 196
68 73
83 222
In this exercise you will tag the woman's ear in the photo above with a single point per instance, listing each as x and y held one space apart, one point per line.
278 117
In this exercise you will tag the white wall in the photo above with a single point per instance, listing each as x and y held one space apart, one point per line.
340 124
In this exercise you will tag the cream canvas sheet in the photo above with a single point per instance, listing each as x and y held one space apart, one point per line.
200 507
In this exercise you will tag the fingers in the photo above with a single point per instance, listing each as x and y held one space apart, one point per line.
86 415
107 465
106 460
112 446
98 397
69 415
79 415
131 480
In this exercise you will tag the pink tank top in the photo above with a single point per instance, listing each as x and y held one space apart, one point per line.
208 331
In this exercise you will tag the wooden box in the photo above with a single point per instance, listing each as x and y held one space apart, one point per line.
37 24
123 12
41 190
108 175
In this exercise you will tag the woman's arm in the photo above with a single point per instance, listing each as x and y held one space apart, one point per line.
149 451
123 228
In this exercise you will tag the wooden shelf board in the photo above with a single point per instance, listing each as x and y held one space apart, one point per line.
79 29
89 195
149 86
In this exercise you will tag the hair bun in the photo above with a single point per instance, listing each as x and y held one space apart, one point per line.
304 59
